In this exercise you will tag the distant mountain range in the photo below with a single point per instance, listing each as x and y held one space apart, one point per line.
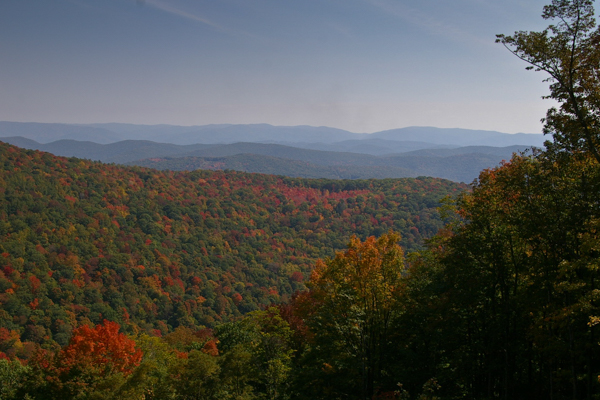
299 151
259 133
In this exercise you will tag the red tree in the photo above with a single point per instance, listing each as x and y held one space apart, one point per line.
102 348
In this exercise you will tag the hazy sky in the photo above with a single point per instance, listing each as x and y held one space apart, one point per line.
360 65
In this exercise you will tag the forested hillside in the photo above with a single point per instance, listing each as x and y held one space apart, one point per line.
83 241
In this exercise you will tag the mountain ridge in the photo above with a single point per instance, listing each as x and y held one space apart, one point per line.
230 133
460 164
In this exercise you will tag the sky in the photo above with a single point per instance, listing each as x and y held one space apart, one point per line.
359 65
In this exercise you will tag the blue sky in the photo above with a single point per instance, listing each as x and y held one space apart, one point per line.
360 65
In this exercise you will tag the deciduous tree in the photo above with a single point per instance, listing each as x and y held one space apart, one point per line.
353 300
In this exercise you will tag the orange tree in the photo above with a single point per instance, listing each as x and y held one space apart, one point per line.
97 360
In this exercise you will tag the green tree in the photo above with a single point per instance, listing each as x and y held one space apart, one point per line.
259 347
195 377
12 378
151 380
237 372
569 51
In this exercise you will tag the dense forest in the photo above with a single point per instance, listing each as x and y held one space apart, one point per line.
83 241
503 302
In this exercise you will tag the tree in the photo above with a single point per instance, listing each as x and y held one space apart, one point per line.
237 373
96 363
12 376
569 176
569 51
151 379
195 377
101 348
257 353
352 306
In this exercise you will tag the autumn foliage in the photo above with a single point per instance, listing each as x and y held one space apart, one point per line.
95 359
350 310
101 348
81 242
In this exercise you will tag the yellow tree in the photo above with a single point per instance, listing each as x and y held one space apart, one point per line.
352 308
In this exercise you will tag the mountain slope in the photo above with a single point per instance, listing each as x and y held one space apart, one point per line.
293 153
82 241
491 150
